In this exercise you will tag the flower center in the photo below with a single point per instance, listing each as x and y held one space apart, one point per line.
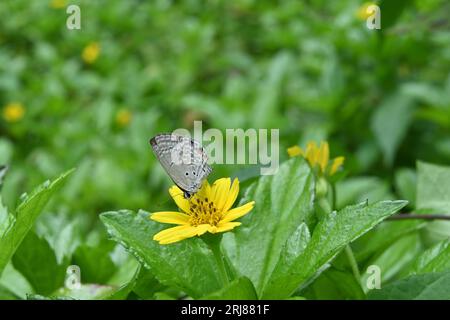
203 211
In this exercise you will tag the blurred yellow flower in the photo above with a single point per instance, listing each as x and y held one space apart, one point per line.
209 210
362 13
58 4
91 52
13 112
124 117
318 156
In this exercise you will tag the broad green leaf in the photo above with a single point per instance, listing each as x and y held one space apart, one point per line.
435 259
13 281
36 260
188 265
395 258
294 246
390 123
428 286
331 235
433 196
282 202
25 216
383 236
359 189
239 289
333 284
147 285
405 183
391 11
266 103
95 262
433 187
121 292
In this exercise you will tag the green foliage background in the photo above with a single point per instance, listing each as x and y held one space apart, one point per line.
309 68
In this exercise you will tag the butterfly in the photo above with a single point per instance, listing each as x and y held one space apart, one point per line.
184 159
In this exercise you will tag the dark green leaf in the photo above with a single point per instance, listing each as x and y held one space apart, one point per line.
25 216
330 235
188 265
282 202
239 289
36 260
390 124
435 259
428 286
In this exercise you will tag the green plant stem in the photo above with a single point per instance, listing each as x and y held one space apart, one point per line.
348 250
213 241
353 263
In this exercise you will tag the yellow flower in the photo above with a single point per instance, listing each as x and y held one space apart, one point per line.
123 117
208 210
57 4
91 52
318 156
363 13
13 112
294 151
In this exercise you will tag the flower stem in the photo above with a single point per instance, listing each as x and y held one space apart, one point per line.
213 241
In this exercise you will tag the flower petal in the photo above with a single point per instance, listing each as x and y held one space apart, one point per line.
337 163
227 226
238 212
204 191
175 234
324 155
311 153
232 195
295 151
171 232
170 217
178 196
220 190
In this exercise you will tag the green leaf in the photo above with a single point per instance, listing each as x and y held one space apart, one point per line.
333 284
433 187
390 123
391 11
95 262
433 196
428 286
282 202
36 260
359 189
330 235
13 281
239 289
147 285
435 259
405 183
188 265
395 258
26 214
383 236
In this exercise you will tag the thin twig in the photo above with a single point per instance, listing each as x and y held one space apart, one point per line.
409 216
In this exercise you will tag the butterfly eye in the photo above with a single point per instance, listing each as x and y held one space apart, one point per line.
187 173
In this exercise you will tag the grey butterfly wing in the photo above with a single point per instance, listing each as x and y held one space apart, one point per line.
183 158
